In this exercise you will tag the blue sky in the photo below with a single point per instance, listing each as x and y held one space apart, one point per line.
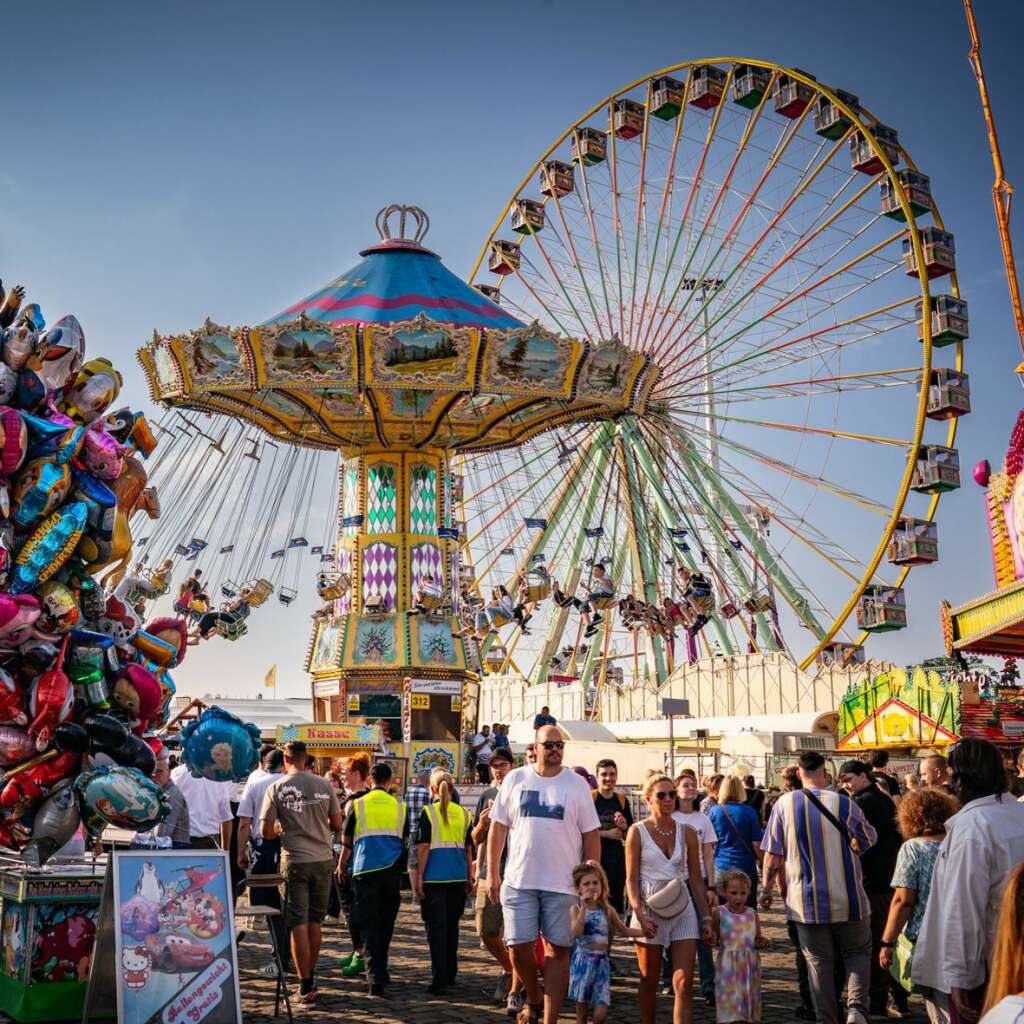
165 163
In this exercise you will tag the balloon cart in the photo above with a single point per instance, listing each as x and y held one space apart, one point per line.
48 926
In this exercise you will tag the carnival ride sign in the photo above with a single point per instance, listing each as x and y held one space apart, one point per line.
332 735
166 940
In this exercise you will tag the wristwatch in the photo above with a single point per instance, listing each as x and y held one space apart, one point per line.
887 945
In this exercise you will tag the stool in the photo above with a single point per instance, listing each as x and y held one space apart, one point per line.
253 913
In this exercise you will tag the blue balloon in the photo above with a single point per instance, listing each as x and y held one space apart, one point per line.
221 747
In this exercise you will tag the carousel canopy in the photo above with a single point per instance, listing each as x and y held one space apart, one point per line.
398 352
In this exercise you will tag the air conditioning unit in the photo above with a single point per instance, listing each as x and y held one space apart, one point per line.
821 742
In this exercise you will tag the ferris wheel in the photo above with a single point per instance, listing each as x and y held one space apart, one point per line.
757 235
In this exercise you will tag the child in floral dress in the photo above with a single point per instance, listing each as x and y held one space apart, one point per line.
737 933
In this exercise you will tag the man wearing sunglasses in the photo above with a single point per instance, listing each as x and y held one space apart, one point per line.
546 815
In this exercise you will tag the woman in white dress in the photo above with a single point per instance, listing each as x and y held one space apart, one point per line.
663 869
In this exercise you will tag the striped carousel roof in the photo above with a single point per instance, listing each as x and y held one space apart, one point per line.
397 280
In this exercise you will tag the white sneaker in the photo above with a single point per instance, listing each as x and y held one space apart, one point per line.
856 1017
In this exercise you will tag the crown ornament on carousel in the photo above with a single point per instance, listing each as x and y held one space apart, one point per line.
398 352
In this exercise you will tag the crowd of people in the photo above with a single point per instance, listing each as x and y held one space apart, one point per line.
887 888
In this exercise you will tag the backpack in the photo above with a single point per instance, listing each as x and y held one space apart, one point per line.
619 796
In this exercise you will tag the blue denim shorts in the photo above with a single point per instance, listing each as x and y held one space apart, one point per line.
528 912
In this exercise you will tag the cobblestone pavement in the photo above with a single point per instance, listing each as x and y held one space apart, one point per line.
345 999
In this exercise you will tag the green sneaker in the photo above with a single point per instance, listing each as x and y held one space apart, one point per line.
356 967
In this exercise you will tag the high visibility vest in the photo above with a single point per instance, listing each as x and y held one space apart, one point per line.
447 860
380 821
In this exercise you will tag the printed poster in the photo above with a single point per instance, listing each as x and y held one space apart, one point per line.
174 938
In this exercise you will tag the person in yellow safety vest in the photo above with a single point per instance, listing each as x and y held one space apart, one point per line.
445 853
374 842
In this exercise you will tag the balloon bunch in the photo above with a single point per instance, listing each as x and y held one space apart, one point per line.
82 683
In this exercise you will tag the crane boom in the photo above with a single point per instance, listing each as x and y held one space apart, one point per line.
1002 190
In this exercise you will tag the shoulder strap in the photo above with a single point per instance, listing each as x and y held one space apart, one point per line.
732 824
829 816
622 801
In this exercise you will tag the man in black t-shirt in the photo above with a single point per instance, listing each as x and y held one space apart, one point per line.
615 816
877 866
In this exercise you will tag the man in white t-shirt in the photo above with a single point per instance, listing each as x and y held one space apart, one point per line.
209 809
483 748
546 814
265 856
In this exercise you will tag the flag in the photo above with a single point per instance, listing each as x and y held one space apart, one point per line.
279 553
142 540
352 521
270 679
327 558
678 531
737 544
593 532
227 549
298 542
538 557
535 524
180 549
448 532
197 544
317 549
507 551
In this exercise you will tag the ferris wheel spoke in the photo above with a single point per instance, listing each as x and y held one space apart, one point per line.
790 299
558 280
684 223
845 435
694 467
640 209
570 246
588 210
746 257
810 387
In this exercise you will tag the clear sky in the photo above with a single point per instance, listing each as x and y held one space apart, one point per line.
163 163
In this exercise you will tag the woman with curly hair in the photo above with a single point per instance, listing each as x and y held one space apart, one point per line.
921 818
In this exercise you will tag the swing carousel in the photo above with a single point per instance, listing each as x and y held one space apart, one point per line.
685 414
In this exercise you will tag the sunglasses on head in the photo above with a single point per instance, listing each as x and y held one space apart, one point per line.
553 744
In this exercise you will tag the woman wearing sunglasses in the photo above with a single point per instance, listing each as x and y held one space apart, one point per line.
663 869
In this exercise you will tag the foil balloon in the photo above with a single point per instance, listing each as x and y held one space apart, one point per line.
12 700
221 747
97 385
98 541
8 383
136 694
49 547
28 787
109 742
21 342
18 616
120 796
59 608
982 473
39 488
101 454
56 437
13 448
50 701
63 350
15 745
89 657
55 824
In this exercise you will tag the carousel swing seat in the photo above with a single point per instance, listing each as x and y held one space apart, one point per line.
333 586
286 595
538 585
257 591
232 629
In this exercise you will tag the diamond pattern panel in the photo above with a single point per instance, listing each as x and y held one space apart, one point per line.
350 489
380 572
381 494
423 499
424 560
344 564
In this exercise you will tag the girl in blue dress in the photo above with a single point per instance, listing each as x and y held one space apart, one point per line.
594 921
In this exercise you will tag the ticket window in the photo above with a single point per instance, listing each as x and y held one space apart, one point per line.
376 707
435 716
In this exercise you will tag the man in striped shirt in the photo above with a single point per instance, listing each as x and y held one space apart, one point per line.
817 861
